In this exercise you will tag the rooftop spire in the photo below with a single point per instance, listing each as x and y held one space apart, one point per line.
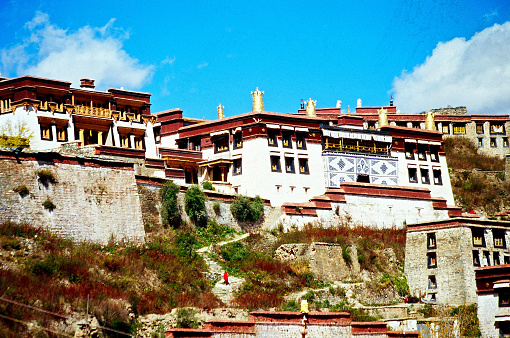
258 102
220 111
383 117
310 107
429 121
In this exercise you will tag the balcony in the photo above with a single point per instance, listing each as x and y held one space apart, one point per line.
92 111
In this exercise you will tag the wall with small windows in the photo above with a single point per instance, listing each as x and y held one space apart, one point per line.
441 257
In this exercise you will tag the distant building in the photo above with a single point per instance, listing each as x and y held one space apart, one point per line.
441 257
493 286
292 324
117 121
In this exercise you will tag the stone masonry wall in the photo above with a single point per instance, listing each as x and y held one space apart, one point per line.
93 201
454 272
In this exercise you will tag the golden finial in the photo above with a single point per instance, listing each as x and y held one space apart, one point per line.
310 107
258 102
220 112
348 109
429 121
383 117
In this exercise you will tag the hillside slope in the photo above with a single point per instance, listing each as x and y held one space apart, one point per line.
478 181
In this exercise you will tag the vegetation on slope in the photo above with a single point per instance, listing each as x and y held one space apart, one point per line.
57 275
478 180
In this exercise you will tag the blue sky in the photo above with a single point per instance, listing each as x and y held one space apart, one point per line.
197 54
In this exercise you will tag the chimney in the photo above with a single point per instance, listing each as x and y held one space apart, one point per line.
302 104
220 112
87 83
339 104
358 103
258 102
391 101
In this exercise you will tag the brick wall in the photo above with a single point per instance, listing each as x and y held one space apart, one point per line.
94 201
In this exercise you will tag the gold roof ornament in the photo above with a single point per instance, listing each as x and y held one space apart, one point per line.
383 117
258 102
304 306
220 112
430 124
310 107
348 109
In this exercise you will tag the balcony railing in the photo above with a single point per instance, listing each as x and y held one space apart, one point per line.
93 111
5 106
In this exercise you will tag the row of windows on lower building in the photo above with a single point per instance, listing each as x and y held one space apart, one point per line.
289 165
493 142
90 137
425 176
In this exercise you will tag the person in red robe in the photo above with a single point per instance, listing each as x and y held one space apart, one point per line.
225 277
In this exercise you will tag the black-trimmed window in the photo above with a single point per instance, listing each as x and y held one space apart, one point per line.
425 178
432 282
272 137
438 180
486 258
431 260
497 128
301 140
275 164
46 133
476 258
504 299
238 140
506 259
478 237
413 175
237 167
480 142
479 128
434 153
125 141
139 142
289 165
495 259
303 166
62 133
410 148
499 238
196 144
459 128
221 144
422 152
157 134
446 129
505 142
287 138
431 241
493 142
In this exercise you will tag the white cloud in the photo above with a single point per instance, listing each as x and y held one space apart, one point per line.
168 61
91 52
474 73
202 65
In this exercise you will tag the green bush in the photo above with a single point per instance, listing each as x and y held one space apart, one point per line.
216 207
48 205
22 190
194 204
169 209
207 185
291 305
46 176
468 320
247 209
214 233
186 319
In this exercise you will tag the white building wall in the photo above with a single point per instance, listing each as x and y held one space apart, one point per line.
487 308
258 179
443 191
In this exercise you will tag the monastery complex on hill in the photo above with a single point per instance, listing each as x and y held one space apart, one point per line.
373 166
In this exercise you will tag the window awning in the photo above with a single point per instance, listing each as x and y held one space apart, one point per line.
356 136
287 128
209 163
272 126
218 133
301 129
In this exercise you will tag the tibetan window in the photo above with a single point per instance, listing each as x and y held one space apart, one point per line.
431 260
237 167
275 164
287 138
272 139
410 149
221 144
289 165
303 166
499 238
413 176
478 237
62 134
476 258
425 178
431 241
46 133
437 177
238 140
301 140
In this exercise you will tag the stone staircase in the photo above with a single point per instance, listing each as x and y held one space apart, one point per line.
221 290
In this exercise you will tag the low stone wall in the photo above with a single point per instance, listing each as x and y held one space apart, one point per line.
94 200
